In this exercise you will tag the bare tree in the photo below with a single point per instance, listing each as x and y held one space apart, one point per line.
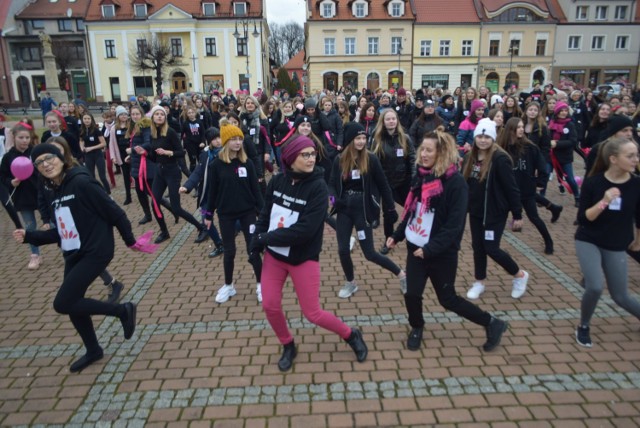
285 40
66 55
154 55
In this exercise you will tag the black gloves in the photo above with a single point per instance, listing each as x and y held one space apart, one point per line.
258 242
391 216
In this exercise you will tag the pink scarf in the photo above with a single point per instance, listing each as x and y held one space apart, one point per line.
557 127
427 188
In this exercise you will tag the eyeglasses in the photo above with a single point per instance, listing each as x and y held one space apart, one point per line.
307 155
47 158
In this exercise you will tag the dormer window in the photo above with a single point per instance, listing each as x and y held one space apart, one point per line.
396 8
140 10
239 9
360 9
327 9
108 11
209 9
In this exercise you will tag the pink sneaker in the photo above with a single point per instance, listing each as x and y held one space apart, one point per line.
34 262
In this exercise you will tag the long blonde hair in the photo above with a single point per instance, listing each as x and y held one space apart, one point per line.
224 154
378 142
164 128
486 163
352 158
446 149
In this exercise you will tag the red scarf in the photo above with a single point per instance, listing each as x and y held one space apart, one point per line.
557 127
428 187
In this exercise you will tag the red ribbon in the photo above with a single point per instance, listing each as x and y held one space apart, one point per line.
144 184
560 172
328 135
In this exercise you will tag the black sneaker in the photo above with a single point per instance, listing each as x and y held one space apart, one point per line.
116 290
216 251
85 361
357 344
288 355
202 236
384 250
495 329
162 237
555 212
415 339
146 219
561 188
582 337
129 320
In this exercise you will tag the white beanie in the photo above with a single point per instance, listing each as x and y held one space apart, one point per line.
496 99
121 110
155 109
487 127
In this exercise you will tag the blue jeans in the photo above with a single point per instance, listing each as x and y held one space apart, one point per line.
568 170
29 220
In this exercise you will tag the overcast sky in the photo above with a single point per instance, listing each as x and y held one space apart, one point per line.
282 11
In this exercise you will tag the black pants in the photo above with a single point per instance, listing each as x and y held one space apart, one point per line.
168 176
228 232
193 150
126 174
352 214
399 196
93 160
79 273
8 205
483 247
143 199
442 272
531 209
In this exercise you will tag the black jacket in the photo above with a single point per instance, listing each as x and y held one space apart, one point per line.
304 204
529 170
70 138
200 176
331 123
566 143
595 134
250 124
25 196
419 128
450 211
405 113
542 139
85 217
375 187
397 169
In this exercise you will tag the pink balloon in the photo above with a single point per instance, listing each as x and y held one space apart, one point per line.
578 180
21 168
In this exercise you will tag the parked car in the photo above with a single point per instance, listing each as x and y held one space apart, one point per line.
611 88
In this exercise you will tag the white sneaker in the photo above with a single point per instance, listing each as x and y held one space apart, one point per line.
259 292
352 243
477 288
348 290
520 286
403 285
225 292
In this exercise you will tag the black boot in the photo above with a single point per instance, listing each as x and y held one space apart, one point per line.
116 291
202 236
357 344
164 235
288 355
217 251
86 360
555 212
548 247
128 320
415 339
494 333
146 219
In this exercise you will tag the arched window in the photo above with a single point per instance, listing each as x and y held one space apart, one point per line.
493 82
373 81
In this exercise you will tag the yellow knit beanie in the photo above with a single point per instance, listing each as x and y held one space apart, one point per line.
229 131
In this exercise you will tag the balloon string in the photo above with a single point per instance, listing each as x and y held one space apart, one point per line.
10 200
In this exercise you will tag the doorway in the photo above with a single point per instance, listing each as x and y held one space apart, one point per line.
178 82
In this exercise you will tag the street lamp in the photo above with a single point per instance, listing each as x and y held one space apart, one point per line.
512 49
244 35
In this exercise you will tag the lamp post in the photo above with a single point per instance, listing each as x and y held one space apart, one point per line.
244 35
512 48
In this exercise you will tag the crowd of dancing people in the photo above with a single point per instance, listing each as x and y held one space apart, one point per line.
277 169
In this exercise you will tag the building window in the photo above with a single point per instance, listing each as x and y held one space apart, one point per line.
373 45
601 13
396 45
350 46
110 48
210 46
359 10
425 47
242 48
37 24
396 9
622 43
143 85
176 47
327 10
114 82
574 43
621 13
597 43
435 80
467 47
541 47
65 25
140 10
514 47
209 9
444 47
108 11
239 9
329 46
582 13
141 46
80 24
494 47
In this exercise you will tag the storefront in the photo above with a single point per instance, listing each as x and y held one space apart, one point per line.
579 78
571 78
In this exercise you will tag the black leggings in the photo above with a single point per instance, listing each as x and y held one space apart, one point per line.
143 199
79 273
531 209
228 232
193 150
126 175
168 176
353 215
399 196
8 205
489 247
93 160
442 272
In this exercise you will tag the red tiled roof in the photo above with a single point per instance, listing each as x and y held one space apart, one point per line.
445 11
224 8
42 9
296 61
377 11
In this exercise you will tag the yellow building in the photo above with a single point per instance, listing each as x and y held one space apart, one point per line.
218 45
358 44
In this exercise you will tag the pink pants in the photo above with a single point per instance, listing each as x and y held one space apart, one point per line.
306 282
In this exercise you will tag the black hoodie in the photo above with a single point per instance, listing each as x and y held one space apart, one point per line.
293 215
85 217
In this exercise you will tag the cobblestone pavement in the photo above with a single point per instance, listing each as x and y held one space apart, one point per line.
193 362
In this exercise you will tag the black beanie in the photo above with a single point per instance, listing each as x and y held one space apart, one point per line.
351 131
300 119
445 98
44 148
617 123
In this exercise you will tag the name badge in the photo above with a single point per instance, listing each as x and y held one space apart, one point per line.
197 125
355 174
361 235
201 117
616 204
242 172
488 235
118 132
398 108
252 131
90 138
399 152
